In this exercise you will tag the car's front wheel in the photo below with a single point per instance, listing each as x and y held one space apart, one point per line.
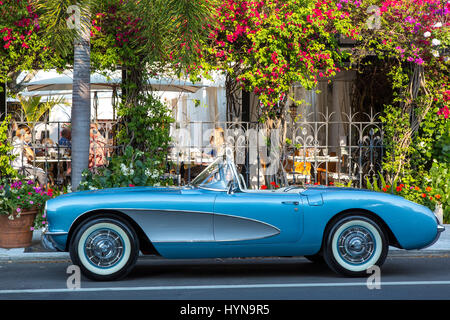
104 248
353 244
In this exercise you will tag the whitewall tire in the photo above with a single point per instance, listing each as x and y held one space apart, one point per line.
353 244
104 248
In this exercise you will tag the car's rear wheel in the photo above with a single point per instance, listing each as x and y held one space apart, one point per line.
353 244
104 248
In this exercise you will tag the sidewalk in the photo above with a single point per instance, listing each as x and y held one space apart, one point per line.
36 252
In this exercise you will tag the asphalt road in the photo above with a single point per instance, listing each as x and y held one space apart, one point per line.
402 277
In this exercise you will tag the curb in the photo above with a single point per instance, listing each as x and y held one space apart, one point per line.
418 253
36 257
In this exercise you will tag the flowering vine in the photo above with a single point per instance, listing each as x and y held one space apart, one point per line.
22 45
267 46
410 40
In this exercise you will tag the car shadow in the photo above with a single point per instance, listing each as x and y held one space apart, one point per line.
230 268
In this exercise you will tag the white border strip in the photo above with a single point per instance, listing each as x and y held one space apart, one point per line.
213 287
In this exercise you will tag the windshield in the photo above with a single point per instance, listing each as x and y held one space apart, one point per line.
216 176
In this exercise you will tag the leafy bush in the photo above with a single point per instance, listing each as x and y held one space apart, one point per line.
440 184
146 126
5 151
145 135
127 170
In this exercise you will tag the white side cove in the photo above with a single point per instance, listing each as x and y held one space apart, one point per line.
191 226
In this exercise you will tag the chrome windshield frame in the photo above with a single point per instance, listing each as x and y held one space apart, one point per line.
221 162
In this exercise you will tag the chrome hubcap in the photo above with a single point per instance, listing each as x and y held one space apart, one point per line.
104 248
356 245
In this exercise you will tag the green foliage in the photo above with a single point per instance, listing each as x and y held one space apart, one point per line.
410 43
146 126
33 109
151 33
146 135
127 170
5 151
343 185
440 184
441 147
23 43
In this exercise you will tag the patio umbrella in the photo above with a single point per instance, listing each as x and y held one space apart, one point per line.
100 82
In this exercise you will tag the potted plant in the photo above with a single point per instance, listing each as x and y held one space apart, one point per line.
21 210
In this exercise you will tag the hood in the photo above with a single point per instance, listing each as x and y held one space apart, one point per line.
123 190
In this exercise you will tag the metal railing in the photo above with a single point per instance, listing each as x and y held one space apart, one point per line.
320 148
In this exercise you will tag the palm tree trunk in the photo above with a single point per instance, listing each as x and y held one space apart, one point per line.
81 106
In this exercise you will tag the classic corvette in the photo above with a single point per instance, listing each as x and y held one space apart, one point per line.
217 216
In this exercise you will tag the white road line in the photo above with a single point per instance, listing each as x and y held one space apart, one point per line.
219 286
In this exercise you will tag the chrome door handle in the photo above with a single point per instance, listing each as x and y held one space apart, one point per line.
295 203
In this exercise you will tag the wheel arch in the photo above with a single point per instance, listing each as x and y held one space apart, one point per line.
145 245
392 240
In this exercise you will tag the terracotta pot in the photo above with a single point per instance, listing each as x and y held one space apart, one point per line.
17 233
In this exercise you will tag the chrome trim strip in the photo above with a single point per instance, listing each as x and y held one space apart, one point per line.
212 189
55 233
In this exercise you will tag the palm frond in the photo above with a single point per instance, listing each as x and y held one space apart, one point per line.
172 26
55 15
33 109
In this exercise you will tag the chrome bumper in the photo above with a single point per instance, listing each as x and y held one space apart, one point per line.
47 240
440 229
47 243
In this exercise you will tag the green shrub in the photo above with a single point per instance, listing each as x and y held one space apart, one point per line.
127 170
5 151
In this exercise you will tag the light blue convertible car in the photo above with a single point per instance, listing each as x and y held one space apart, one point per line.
217 216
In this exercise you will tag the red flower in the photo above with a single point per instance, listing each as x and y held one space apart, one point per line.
263 187
384 189
131 185
398 189
424 195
